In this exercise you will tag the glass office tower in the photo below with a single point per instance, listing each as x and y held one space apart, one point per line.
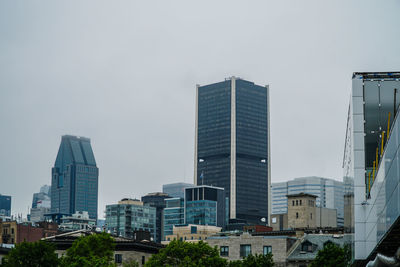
157 200
205 205
232 145
174 214
5 205
130 215
74 183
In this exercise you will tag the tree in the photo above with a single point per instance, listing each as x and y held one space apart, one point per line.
92 250
179 253
36 254
131 263
332 255
257 260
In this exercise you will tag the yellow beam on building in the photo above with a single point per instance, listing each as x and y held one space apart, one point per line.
388 128
383 138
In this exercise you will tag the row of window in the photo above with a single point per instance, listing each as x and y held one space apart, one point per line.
245 250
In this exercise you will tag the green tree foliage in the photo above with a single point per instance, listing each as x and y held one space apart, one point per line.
257 260
187 254
37 254
332 255
131 263
92 250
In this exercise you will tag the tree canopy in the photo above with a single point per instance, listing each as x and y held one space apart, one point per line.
36 254
92 250
332 255
179 253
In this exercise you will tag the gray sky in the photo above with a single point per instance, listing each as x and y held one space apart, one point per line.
123 73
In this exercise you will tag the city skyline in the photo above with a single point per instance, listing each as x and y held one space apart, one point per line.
127 82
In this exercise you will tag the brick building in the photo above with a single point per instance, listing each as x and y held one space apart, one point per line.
13 233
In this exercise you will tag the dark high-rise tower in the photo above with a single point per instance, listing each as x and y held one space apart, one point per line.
232 145
74 182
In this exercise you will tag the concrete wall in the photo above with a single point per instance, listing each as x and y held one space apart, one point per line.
279 245
326 217
126 256
301 215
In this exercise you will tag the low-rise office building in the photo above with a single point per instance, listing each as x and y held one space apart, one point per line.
128 215
173 214
191 232
205 205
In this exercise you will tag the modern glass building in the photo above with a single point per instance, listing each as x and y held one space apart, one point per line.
174 214
157 200
176 189
205 205
42 198
5 205
232 145
74 182
372 161
329 192
130 215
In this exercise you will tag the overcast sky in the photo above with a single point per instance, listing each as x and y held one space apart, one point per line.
123 73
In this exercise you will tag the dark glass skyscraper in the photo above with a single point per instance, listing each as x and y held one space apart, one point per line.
232 145
74 182
5 205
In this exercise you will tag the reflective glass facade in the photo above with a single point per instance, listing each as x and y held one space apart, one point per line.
371 162
232 145
5 205
174 214
124 219
205 205
176 189
74 183
157 200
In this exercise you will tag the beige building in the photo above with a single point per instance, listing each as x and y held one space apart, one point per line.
235 247
191 233
303 213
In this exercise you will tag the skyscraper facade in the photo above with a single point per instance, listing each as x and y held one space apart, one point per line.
130 215
174 214
74 183
232 145
329 192
176 189
5 205
205 205
157 200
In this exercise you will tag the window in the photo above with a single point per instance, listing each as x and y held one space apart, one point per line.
300 202
274 220
267 249
12 230
307 246
118 258
224 251
297 202
293 202
297 215
245 250
311 216
143 260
